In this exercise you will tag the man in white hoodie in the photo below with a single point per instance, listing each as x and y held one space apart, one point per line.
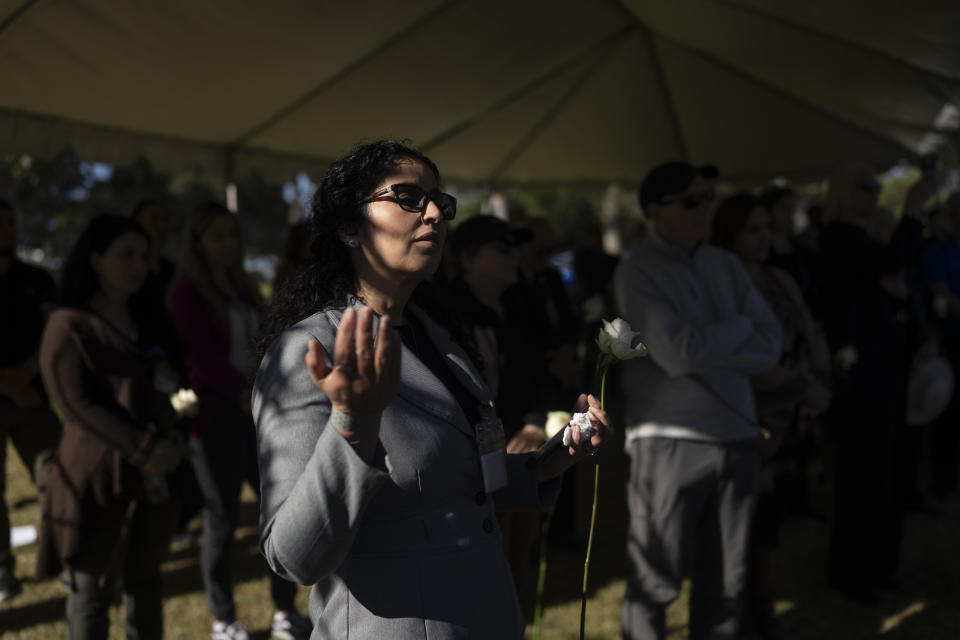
690 414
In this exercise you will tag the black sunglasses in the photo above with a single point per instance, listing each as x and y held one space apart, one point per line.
412 198
694 200
507 245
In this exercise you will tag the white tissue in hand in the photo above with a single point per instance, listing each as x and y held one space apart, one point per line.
580 421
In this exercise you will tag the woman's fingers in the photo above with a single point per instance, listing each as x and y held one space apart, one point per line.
386 352
581 403
364 344
598 419
316 364
345 342
602 431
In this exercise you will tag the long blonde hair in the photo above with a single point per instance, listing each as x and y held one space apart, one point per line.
195 267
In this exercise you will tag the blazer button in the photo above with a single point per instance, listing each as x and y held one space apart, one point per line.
481 498
488 525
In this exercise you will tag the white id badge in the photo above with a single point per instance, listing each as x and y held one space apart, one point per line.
492 444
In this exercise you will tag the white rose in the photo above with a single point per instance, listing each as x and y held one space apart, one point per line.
618 340
185 402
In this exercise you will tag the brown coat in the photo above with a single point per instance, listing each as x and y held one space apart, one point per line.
103 389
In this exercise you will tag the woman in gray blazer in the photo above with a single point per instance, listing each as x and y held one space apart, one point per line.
381 458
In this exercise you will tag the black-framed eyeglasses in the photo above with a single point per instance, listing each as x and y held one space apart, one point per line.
412 198
694 200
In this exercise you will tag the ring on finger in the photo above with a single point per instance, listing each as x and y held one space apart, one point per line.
349 369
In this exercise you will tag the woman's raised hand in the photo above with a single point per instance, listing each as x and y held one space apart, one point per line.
363 378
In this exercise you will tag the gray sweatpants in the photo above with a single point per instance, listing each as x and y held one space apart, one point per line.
688 501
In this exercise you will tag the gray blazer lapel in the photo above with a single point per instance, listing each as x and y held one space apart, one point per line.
421 386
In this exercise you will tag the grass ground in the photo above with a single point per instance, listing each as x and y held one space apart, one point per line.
926 608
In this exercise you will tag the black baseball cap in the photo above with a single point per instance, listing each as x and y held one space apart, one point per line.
480 230
671 178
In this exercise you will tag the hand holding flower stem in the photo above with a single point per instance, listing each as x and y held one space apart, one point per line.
617 342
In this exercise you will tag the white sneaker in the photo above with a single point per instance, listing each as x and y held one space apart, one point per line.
290 625
233 631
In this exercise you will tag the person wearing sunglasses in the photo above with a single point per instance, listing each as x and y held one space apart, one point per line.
382 458
690 414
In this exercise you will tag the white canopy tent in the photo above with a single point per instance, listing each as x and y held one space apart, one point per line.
496 91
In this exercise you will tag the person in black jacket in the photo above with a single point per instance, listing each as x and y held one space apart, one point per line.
538 308
863 305
486 256
27 294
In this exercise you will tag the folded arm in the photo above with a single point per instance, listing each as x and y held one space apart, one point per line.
683 347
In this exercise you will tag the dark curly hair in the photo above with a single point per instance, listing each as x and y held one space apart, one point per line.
327 280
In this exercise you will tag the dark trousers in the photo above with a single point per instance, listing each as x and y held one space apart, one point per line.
35 433
137 559
868 501
223 459
688 498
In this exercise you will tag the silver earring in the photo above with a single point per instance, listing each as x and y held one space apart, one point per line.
351 243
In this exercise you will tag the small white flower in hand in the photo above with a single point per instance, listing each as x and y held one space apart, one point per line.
556 422
619 341
581 421
186 403
847 357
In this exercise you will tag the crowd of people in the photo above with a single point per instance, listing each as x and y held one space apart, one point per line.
388 405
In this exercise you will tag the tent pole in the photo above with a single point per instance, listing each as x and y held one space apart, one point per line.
581 82
16 14
526 89
419 27
664 86
763 14
784 94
